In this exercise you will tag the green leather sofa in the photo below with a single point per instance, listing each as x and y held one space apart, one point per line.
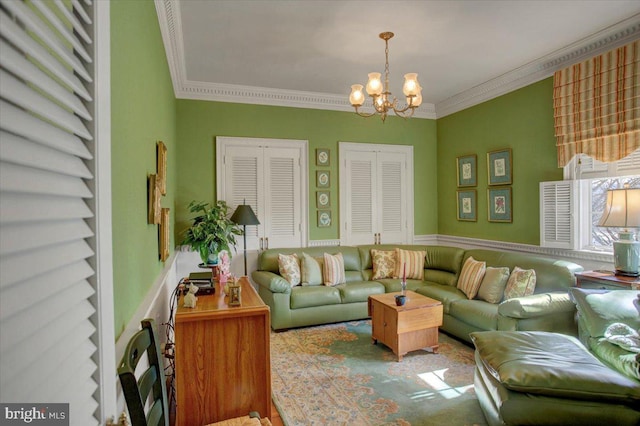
549 308
545 378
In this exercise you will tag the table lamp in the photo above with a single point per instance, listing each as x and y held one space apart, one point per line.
623 211
244 216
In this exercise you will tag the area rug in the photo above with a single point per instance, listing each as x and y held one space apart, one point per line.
334 375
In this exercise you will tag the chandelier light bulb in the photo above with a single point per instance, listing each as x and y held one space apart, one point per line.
374 85
356 97
411 86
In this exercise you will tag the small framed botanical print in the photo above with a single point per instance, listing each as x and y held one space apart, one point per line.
323 199
324 218
322 157
323 179
499 202
500 167
467 170
467 205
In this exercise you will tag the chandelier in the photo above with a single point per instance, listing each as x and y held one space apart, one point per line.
380 93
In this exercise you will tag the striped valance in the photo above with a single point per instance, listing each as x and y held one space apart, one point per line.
596 106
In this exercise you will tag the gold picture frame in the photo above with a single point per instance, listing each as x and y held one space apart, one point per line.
235 295
323 178
161 158
154 207
164 234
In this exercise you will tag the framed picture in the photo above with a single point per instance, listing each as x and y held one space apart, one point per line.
322 157
467 170
500 167
153 203
324 218
323 179
323 199
164 234
235 295
161 158
467 205
499 203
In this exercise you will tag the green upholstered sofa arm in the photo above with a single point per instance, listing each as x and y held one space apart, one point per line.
273 282
536 305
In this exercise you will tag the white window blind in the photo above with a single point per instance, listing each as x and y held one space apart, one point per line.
47 245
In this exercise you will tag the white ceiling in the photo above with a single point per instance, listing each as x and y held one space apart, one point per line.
310 52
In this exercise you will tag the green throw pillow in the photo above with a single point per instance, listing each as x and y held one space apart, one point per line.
311 270
493 283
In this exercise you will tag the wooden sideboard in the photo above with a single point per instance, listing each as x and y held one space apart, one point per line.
222 358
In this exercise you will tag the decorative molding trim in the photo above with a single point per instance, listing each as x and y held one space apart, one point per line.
465 242
426 240
600 42
323 243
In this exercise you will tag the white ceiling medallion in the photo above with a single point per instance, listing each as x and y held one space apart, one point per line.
170 26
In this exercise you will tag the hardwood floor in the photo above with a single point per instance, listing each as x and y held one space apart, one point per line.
276 420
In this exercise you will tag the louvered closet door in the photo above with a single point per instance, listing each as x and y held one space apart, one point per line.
47 306
361 195
244 183
392 169
282 221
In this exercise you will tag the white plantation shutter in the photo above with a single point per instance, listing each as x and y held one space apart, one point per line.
243 184
281 203
629 165
558 214
361 193
48 301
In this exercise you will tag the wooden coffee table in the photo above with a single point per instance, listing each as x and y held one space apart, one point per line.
405 328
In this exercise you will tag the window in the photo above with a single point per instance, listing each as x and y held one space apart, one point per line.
596 178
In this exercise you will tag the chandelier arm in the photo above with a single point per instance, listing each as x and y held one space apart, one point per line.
363 114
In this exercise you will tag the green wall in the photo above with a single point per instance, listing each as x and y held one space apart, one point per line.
142 113
199 122
521 120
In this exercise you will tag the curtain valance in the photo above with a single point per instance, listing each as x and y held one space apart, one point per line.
597 106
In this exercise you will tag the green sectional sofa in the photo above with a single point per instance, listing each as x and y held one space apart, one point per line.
549 308
544 378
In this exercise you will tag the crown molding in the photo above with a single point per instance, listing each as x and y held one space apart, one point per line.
610 38
171 29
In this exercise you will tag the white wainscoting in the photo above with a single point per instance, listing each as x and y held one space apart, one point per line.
589 260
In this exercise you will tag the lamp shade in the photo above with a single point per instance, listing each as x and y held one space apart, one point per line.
244 215
622 209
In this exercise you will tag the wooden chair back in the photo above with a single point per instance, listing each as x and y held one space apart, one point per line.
150 382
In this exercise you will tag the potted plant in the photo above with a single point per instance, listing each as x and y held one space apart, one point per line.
212 231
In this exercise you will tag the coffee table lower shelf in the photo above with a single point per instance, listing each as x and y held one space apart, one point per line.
405 328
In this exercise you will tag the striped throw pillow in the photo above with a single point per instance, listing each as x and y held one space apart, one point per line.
334 269
471 277
411 262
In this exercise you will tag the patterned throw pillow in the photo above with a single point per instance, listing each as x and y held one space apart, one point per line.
471 276
411 262
311 270
492 287
334 269
289 267
384 264
521 283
